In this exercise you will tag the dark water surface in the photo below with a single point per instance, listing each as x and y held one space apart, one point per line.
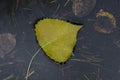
96 55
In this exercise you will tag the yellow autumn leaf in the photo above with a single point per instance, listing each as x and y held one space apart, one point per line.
57 38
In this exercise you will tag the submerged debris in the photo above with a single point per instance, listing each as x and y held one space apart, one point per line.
105 23
82 8
7 43
117 43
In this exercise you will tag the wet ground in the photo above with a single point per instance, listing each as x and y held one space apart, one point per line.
95 57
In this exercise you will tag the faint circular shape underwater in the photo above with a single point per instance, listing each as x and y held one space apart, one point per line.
7 43
105 23
82 8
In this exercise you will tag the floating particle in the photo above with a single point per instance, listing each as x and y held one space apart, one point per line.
57 38
105 22
82 8
7 43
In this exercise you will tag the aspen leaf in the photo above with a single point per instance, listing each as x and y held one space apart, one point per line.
57 38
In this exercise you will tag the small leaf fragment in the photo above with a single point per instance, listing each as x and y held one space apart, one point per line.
57 38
